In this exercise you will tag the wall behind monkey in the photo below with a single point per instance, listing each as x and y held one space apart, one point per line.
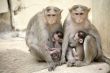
33 6
101 19
99 14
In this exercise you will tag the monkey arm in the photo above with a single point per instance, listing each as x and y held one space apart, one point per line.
94 32
65 45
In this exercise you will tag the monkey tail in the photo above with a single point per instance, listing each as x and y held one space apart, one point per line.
105 59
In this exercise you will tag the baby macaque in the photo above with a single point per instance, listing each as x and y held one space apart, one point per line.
57 38
76 44
55 52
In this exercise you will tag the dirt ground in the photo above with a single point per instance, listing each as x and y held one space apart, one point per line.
15 58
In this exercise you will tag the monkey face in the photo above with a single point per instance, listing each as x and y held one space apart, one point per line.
73 42
77 39
52 14
58 36
79 13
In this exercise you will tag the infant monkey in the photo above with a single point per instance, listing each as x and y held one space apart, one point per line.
57 38
55 52
77 45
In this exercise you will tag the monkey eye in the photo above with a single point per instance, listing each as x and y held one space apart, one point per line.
60 36
81 13
48 15
55 10
53 14
76 13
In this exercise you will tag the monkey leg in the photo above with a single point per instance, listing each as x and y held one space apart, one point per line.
80 52
36 54
90 51
70 58
42 53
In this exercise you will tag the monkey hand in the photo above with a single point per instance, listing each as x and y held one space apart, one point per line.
51 66
63 61
78 63
70 63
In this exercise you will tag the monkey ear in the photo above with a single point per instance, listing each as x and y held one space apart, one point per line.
61 11
89 9
81 40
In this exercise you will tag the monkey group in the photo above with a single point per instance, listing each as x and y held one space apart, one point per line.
76 43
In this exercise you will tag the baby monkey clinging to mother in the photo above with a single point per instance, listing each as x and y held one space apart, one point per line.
76 46
55 52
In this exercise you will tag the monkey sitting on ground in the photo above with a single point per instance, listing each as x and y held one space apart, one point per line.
77 20
39 34
55 52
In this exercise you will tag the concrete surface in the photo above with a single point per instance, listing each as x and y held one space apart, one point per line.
93 68
15 58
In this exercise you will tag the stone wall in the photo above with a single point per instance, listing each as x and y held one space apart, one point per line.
101 19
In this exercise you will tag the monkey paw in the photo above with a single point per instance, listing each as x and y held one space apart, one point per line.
51 67
63 61
69 64
57 63
78 63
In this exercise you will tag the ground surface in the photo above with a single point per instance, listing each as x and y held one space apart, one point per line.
15 58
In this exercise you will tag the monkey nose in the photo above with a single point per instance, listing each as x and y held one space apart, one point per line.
53 14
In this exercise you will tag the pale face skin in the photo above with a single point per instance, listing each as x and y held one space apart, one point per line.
52 14
79 15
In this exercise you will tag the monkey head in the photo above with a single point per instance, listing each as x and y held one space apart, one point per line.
57 36
80 36
79 13
52 15
77 39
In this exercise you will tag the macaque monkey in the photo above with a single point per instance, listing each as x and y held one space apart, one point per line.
76 46
55 52
57 39
39 34
77 20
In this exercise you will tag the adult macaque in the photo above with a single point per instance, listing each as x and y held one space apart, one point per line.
77 20
39 34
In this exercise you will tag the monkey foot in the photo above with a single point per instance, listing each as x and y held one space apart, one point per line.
78 63
63 61
57 63
69 64
51 67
